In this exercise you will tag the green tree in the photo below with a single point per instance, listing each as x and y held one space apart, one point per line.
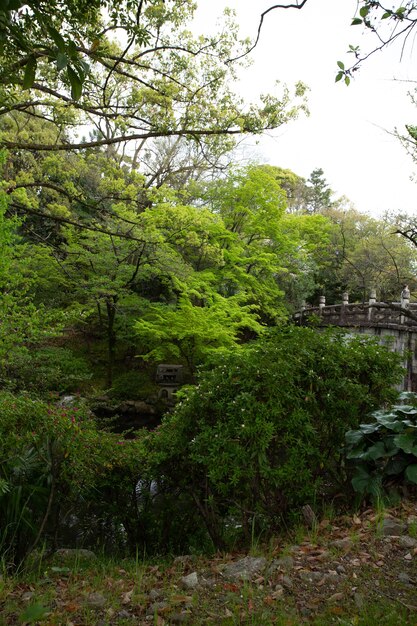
370 254
164 83
319 193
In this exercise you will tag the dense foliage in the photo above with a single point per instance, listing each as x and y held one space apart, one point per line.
383 451
261 433
54 461
130 236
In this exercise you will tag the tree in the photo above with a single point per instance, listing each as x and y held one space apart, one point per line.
294 186
173 84
387 24
370 254
319 193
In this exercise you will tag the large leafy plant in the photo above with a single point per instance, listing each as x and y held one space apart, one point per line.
385 450
261 433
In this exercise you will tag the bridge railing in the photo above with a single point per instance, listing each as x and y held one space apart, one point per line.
371 313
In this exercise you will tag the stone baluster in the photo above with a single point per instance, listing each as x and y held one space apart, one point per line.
405 301
345 302
322 304
372 300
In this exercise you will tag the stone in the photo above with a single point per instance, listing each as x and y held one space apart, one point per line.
95 600
359 600
155 594
393 527
340 569
287 582
179 618
155 607
283 564
310 577
331 577
305 611
123 614
67 401
407 542
403 577
342 544
185 559
245 568
28 595
75 554
190 582
336 597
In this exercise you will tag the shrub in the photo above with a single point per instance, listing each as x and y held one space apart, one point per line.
44 369
385 449
133 385
261 434
53 460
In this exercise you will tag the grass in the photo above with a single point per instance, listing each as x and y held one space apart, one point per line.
367 591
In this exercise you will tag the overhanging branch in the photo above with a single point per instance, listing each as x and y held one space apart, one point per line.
297 5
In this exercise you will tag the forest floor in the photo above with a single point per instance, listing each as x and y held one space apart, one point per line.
358 570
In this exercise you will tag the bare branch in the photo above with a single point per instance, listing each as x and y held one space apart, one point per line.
298 5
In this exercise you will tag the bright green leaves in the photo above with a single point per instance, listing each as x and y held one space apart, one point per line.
342 74
30 72
76 83
385 448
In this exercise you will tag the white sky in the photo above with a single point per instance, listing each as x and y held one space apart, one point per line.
347 133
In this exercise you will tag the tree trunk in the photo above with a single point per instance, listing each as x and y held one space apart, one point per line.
111 338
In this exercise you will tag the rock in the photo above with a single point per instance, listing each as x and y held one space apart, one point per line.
285 564
310 577
359 600
336 597
293 549
185 559
155 594
123 614
287 582
412 520
403 577
331 577
179 618
393 527
155 607
245 568
407 542
75 554
208 583
340 569
279 591
310 517
305 611
67 401
28 595
342 544
408 557
190 582
95 600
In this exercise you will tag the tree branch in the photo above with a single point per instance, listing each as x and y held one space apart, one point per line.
298 5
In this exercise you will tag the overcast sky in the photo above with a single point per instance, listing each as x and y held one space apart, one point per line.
348 131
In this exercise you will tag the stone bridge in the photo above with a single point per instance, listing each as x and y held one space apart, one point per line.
394 324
